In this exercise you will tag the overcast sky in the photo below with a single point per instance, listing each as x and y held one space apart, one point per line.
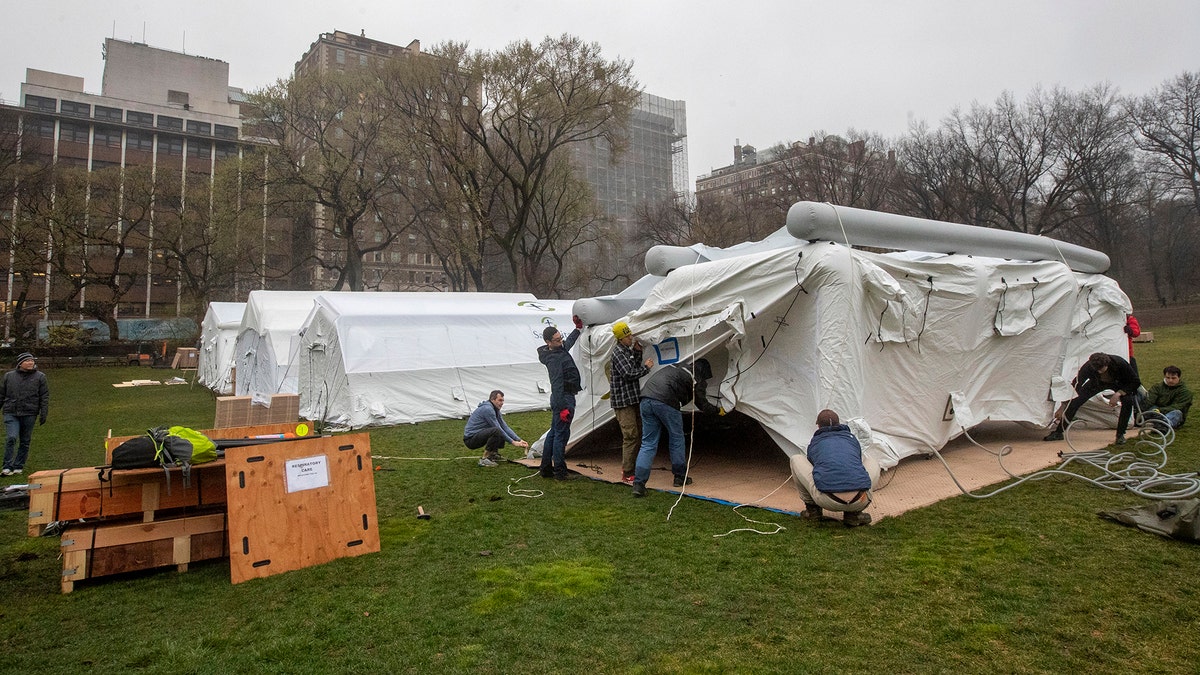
758 71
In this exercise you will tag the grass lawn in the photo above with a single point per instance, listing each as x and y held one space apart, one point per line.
586 579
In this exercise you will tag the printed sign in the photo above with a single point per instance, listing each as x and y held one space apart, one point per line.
307 473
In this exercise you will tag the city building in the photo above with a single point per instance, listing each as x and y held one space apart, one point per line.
652 168
172 115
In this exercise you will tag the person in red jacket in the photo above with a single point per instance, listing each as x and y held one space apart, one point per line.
1132 329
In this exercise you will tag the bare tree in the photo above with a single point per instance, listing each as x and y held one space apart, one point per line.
1167 121
535 102
338 145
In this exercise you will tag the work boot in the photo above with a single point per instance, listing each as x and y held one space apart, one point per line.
639 489
856 518
680 481
812 512
486 462
1120 440
1056 435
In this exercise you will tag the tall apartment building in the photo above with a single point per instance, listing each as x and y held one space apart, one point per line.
174 113
653 167
407 264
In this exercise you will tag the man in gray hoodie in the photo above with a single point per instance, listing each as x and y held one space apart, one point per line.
24 397
487 429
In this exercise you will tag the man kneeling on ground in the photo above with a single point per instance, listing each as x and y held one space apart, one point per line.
834 473
487 429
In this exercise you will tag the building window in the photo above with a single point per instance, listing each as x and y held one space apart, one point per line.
107 136
140 141
199 149
362 60
165 122
195 127
143 119
76 109
340 56
41 127
74 133
114 114
170 145
222 131
41 103
224 150
177 97
100 164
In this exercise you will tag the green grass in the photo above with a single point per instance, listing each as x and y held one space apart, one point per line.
586 579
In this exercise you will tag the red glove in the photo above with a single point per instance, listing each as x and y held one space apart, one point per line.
578 322
565 414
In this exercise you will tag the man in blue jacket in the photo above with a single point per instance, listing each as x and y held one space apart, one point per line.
24 398
834 473
564 384
487 429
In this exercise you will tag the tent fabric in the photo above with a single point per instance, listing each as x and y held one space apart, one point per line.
370 359
921 346
267 341
218 337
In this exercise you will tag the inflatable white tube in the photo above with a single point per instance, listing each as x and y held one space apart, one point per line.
662 259
826 222
604 310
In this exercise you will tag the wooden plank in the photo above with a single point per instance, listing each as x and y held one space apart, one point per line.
102 535
298 504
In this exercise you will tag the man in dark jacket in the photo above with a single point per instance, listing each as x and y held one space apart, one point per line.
663 395
487 429
1102 371
24 397
834 473
564 384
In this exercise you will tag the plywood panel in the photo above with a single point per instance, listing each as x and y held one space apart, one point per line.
298 504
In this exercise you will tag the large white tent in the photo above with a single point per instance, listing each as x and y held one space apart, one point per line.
367 359
267 342
218 336
920 345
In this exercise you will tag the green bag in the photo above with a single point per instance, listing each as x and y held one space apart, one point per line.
182 447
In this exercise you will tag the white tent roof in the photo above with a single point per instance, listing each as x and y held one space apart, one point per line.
266 341
218 335
387 358
920 348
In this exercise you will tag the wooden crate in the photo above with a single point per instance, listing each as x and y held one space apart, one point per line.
74 494
101 549
298 504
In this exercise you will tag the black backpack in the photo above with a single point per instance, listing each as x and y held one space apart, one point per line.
135 453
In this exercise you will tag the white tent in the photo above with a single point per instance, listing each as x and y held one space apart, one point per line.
368 359
267 341
218 336
920 345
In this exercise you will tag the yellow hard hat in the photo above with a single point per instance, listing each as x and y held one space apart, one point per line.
621 330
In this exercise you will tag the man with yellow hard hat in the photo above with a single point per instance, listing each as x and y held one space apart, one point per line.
626 369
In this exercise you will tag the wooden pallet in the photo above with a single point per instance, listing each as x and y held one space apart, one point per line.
74 494
101 549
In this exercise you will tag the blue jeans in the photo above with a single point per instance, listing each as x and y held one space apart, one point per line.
554 448
657 416
18 429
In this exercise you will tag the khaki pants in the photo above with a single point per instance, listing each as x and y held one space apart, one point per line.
631 436
802 474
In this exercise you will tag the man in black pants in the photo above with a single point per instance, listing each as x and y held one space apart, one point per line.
1102 371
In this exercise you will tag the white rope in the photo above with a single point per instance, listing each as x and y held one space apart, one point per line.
529 493
778 528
